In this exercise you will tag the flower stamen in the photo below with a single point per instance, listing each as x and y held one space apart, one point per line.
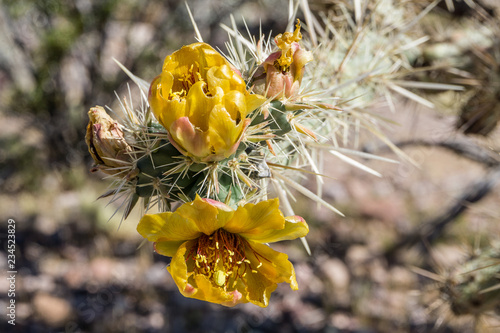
284 42
221 257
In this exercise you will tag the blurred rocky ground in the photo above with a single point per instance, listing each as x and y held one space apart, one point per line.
80 271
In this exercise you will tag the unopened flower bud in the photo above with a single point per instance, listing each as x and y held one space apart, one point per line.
107 144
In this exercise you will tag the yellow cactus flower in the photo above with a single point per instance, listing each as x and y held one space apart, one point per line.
219 254
285 68
202 102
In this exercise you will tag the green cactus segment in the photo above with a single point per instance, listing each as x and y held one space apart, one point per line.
279 123
165 172
229 192
151 179
159 160
476 289
155 127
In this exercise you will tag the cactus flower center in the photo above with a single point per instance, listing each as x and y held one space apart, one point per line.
221 257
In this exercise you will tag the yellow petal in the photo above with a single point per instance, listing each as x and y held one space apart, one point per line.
259 289
295 227
196 285
190 138
172 111
204 215
167 227
171 107
156 101
254 101
200 53
223 132
165 110
219 76
165 83
275 265
178 267
167 248
300 58
268 268
219 205
210 292
224 212
235 104
200 105
250 219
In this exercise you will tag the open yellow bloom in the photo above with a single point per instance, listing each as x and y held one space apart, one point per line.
202 102
218 254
